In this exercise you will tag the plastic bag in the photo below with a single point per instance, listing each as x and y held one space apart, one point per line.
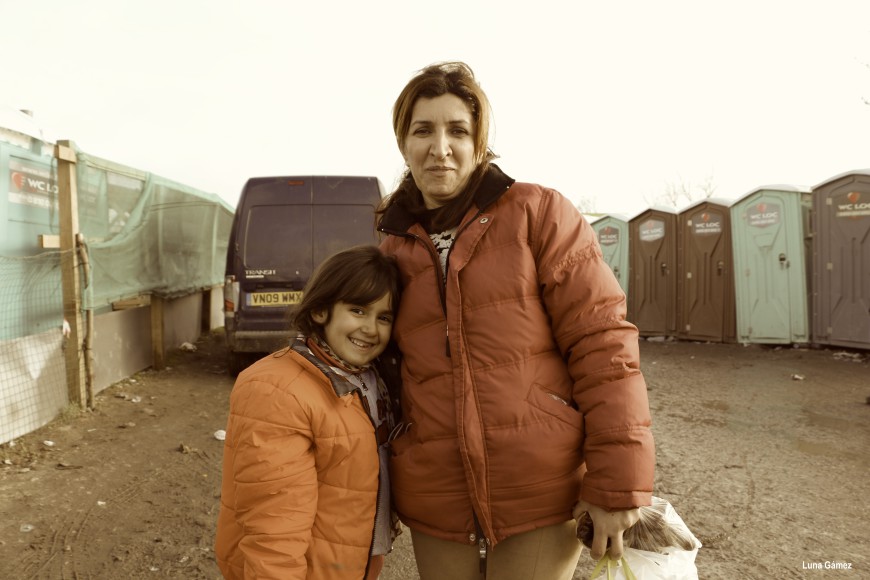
671 547
674 565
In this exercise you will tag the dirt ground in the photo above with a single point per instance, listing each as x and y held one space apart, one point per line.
763 451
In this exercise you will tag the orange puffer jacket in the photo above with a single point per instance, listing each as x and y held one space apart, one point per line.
300 476
516 371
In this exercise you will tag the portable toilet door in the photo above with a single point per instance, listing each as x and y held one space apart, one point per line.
705 280
652 302
770 229
612 233
841 260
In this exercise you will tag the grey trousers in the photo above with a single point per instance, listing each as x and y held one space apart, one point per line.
549 553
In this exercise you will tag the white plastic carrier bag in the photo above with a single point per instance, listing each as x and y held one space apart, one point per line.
658 547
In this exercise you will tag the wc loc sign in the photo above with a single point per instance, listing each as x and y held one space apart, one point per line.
32 184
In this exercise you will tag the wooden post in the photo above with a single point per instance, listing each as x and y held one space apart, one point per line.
205 314
72 312
157 347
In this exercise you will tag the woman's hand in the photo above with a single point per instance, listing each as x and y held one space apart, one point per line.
608 526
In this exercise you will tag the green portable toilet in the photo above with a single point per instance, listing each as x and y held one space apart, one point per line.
705 273
841 260
770 233
652 302
612 233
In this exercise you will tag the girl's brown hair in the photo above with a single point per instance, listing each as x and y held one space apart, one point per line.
359 275
435 80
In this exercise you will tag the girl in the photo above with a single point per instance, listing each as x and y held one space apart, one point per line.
305 491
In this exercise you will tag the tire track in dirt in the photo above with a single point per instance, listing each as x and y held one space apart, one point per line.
97 541
160 543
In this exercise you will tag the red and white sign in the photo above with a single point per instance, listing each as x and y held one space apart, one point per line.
707 224
763 214
608 236
652 230
31 183
852 205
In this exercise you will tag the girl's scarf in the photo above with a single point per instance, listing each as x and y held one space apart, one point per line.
327 358
324 352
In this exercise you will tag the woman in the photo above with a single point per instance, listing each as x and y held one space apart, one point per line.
305 491
520 372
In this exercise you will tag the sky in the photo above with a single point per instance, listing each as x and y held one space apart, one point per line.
611 103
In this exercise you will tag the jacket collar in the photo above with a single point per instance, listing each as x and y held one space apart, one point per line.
340 384
495 183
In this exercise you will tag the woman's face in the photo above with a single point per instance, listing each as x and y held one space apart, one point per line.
439 147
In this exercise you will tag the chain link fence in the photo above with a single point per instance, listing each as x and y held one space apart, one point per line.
32 370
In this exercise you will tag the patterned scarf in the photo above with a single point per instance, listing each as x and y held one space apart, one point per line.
324 357
319 347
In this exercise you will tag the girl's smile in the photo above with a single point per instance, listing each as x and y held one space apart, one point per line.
357 334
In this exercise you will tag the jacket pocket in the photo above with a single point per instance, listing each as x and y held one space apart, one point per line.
555 406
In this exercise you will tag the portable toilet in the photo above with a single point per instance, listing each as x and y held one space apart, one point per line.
652 302
771 238
705 273
612 233
841 260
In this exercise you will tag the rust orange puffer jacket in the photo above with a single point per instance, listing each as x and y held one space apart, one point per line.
300 476
542 373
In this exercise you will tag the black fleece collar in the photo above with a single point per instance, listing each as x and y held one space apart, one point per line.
495 183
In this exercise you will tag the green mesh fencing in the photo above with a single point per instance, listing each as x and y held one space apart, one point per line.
143 234
147 234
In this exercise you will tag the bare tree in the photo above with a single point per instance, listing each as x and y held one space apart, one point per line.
706 188
586 205
682 192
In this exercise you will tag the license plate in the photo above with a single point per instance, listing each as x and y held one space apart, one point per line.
274 298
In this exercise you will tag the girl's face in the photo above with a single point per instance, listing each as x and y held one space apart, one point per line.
357 334
439 147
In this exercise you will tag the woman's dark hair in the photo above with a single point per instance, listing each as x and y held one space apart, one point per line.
359 275
435 80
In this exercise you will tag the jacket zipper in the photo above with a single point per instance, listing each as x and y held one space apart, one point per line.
442 279
482 545
482 540
461 229
442 275
359 393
